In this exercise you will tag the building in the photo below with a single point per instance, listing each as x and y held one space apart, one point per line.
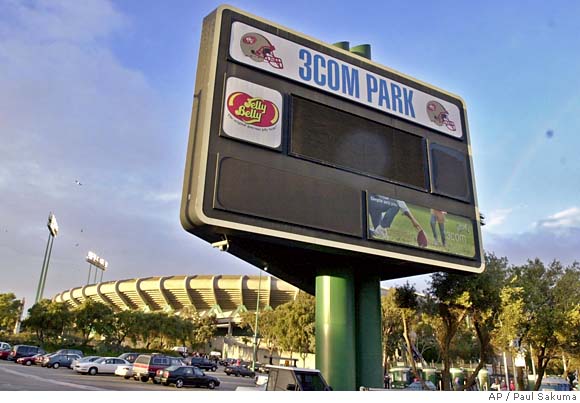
225 296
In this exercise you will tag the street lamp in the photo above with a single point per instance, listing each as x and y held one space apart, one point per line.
255 357
94 260
52 232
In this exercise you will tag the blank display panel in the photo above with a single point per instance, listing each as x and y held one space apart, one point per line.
346 141
449 171
261 191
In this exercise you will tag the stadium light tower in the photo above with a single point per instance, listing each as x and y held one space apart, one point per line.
52 232
94 260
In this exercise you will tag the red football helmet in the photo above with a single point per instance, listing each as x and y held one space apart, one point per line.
259 49
439 115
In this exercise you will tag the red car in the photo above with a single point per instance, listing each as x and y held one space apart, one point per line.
4 354
28 361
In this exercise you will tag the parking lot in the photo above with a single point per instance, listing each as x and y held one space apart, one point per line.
16 377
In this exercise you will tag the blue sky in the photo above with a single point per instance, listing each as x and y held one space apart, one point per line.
101 92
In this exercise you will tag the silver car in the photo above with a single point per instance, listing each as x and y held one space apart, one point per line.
103 365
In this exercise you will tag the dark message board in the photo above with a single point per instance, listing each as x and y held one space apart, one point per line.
306 156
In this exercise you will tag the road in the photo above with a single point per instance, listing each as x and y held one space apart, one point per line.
16 377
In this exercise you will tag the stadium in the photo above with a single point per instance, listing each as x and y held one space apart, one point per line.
224 296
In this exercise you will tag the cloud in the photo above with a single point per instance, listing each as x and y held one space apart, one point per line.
569 218
555 237
496 217
164 197
70 109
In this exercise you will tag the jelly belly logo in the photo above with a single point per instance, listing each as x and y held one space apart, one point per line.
253 111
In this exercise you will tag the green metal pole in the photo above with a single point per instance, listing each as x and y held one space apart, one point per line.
369 368
335 328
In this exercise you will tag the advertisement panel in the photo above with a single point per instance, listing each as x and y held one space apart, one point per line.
252 113
393 220
288 59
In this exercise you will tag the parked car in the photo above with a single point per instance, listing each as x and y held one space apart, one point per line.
4 354
185 375
126 371
4 350
201 363
89 358
28 361
102 365
131 357
416 385
70 351
59 360
261 380
23 350
146 365
226 362
181 350
38 359
239 370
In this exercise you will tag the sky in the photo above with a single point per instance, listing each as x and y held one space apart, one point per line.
95 106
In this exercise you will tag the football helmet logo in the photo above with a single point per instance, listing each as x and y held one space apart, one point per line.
439 115
259 49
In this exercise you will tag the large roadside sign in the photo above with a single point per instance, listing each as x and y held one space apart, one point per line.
308 156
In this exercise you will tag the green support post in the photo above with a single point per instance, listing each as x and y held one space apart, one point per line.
369 365
362 50
335 328
344 45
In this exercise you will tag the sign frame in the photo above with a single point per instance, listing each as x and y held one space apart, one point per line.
198 165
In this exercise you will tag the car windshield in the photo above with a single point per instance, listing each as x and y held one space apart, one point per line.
172 368
100 360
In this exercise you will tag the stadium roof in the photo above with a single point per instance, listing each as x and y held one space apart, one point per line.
221 295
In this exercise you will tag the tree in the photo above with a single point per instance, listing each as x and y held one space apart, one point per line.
446 308
10 309
475 297
568 296
406 301
92 318
484 295
123 324
298 320
392 330
539 302
204 330
48 320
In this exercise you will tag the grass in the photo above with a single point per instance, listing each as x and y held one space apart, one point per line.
460 239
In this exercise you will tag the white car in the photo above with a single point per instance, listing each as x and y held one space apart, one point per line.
80 360
104 365
126 371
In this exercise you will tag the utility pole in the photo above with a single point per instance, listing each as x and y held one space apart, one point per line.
255 355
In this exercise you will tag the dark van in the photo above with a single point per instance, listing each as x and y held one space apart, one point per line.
146 365
23 350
